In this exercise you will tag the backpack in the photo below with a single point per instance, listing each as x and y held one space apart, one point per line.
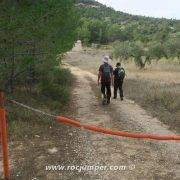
120 73
106 73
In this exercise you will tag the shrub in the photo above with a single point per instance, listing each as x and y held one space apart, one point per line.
62 77
57 86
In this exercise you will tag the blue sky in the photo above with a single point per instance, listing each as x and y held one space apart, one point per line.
153 8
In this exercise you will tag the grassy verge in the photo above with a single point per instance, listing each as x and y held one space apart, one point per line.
52 96
160 99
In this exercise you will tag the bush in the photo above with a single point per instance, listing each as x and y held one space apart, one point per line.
62 77
57 86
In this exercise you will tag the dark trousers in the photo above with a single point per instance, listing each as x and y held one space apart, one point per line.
118 86
106 89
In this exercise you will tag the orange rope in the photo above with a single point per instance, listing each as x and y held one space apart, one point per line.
115 132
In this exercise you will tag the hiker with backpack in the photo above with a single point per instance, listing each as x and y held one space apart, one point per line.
105 76
119 75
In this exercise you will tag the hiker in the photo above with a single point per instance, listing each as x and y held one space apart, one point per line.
119 74
105 76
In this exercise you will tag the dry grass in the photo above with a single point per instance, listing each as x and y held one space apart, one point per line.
161 100
88 59
164 71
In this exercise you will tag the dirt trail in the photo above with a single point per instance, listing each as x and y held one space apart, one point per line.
151 159
138 159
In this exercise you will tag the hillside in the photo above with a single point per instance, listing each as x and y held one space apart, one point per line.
114 23
115 16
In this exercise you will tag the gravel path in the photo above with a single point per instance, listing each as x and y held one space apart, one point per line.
143 159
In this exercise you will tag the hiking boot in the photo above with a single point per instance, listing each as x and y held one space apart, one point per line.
108 101
104 101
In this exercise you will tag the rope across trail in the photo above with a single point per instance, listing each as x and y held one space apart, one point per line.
77 124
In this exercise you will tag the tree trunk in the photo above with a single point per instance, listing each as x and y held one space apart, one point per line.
12 68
